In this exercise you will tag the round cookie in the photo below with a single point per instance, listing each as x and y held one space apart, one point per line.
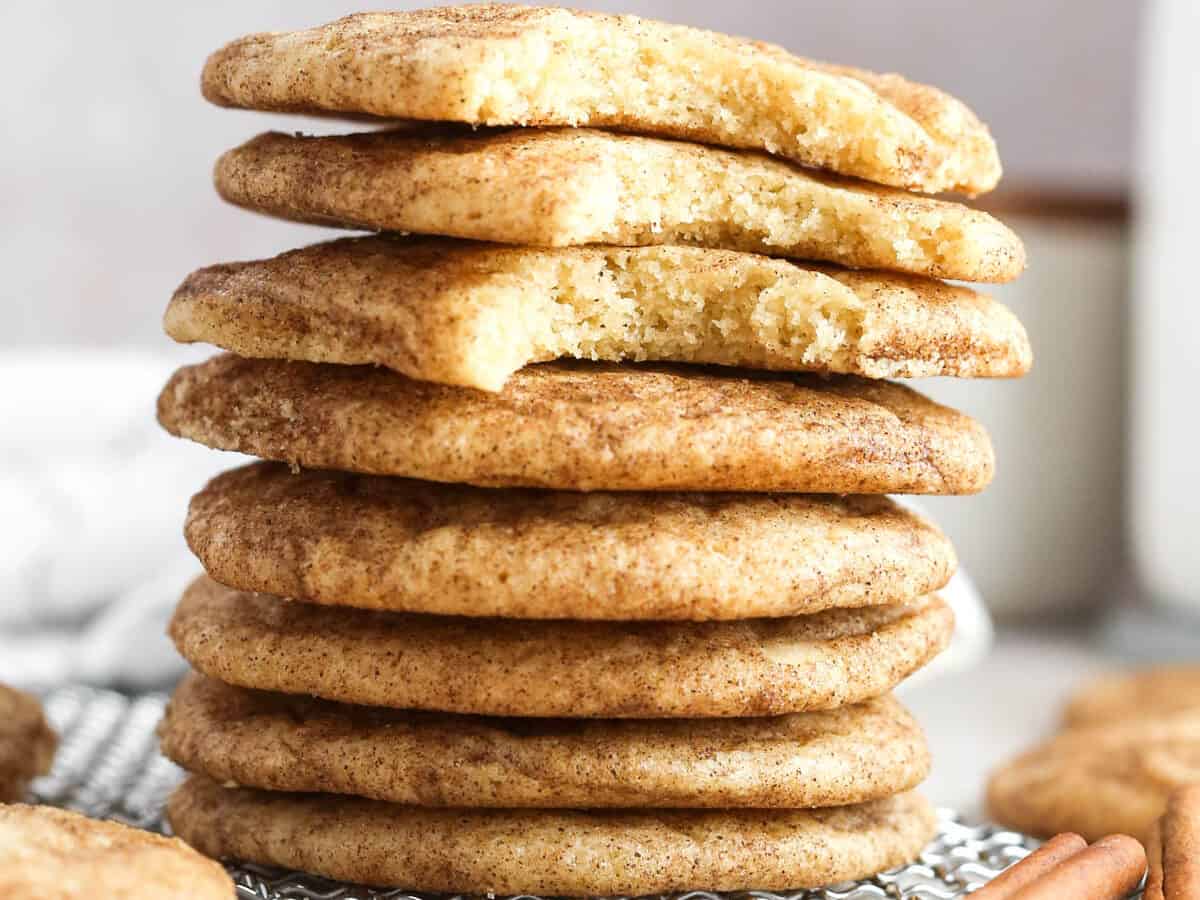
397 544
550 852
27 743
1127 695
55 854
1099 779
581 426
288 743
513 667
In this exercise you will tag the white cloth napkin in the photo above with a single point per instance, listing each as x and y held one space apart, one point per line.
92 499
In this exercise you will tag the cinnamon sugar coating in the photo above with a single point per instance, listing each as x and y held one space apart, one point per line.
412 546
493 64
516 667
551 852
56 854
472 314
292 743
1134 694
577 426
1099 779
566 187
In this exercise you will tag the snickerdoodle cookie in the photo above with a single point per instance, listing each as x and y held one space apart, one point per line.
472 314
587 426
1128 695
1099 779
291 743
55 854
568 187
516 667
551 852
414 546
27 742
496 64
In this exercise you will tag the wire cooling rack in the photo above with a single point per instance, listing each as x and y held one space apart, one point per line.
108 766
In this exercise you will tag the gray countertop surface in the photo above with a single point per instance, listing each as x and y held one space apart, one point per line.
979 718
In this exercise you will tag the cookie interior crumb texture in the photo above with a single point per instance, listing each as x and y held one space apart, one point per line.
472 314
491 64
560 187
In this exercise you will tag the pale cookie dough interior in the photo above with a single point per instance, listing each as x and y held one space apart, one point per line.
491 64
567 187
56 854
472 314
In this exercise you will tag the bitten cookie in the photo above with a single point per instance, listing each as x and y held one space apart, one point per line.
473 64
569 187
472 314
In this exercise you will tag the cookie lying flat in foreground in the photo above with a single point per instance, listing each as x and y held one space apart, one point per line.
60 855
491 64
472 314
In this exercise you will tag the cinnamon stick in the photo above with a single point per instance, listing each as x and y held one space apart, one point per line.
1180 838
1154 859
1109 869
1032 867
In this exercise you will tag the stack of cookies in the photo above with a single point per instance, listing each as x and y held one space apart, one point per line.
569 570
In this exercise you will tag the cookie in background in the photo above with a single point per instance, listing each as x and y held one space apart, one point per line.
1129 741
27 743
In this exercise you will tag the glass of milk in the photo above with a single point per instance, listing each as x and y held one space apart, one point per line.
1164 498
